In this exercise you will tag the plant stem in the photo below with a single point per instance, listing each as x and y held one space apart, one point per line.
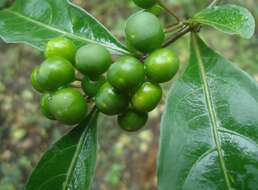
173 28
75 86
168 10
174 38
78 79
213 3
79 146
178 35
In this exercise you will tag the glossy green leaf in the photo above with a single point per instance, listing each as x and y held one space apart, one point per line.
36 21
231 19
209 131
70 163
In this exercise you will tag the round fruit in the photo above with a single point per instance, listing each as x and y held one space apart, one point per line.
34 80
91 87
55 72
144 32
93 60
147 97
68 106
132 120
109 101
44 106
131 48
126 73
61 47
161 65
145 4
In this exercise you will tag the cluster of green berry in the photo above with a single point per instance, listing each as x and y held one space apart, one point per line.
129 87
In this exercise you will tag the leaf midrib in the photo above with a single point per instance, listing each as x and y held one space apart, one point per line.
211 110
78 150
68 34
209 22
51 179
74 160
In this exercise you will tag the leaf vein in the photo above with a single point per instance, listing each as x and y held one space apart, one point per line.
211 110
224 130
230 30
54 177
68 34
198 160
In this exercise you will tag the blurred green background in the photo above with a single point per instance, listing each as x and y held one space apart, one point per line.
126 161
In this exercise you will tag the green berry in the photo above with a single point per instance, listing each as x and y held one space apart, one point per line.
68 106
55 72
109 101
131 48
145 4
93 60
61 47
161 65
44 106
34 80
144 32
147 97
91 87
126 73
132 120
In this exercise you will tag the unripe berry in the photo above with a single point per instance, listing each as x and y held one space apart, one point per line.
68 106
91 87
44 106
147 97
34 80
61 47
93 60
126 73
55 72
144 32
132 120
145 4
161 65
109 101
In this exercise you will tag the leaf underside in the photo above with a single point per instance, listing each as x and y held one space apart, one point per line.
209 131
231 19
34 22
70 162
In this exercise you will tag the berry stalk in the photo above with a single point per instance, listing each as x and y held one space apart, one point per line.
178 35
178 20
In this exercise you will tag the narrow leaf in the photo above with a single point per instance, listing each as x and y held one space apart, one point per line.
36 21
70 162
231 19
209 132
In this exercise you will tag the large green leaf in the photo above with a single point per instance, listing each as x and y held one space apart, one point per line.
209 132
36 21
70 163
231 19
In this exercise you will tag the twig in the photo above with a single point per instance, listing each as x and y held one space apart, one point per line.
75 86
168 10
181 33
78 79
173 27
174 24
